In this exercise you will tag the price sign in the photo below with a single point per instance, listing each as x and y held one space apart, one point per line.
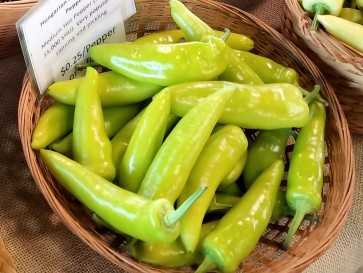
56 35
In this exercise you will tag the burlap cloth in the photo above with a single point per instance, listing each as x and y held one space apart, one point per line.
39 242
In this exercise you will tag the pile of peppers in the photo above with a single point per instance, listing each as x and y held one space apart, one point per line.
343 19
158 146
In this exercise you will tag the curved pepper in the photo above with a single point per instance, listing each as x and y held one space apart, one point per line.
53 124
144 142
115 117
267 106
306 171
91 145
268 146
234 174
114 89
170 254
164 64
219 155
235 40
127 212
173 162
239 230
195 29
346 31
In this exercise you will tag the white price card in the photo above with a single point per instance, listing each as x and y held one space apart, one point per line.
56 35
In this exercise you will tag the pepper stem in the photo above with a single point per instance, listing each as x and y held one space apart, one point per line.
205 266
172 218
319 10
318 98
296 221
226 34
313 94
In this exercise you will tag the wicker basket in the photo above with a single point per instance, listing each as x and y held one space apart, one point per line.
312 239
341 65
6 261
10 13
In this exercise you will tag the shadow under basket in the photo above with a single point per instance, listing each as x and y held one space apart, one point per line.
341 65
311 240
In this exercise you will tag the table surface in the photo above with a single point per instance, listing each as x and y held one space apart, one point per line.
39 242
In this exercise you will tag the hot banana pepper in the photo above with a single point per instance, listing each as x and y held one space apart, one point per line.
239 230
306 171
266 106
220 153
170 168
165 64
195 29
126 212
114 89
235 40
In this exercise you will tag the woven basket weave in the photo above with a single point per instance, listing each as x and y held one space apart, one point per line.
341 65
311 240
10 13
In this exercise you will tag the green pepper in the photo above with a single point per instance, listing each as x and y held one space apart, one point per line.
181 148
267 106
267 69
268 146
195 29
63 145
239 230
144 142
114 89
91 145
53 124
172 254
235 40
306 171
127 212
354 15
234 174
165 64
319 7
219 155
346 31
115 117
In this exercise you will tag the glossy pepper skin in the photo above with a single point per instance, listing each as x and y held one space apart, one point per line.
267 69
115 117
352 14
145 142
195 29
173 162
91 145
268 146
164 64
233 174
172 254
267 106
239 230
114 89
235 40
219 155
306 171
53 124
125 211
346 31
